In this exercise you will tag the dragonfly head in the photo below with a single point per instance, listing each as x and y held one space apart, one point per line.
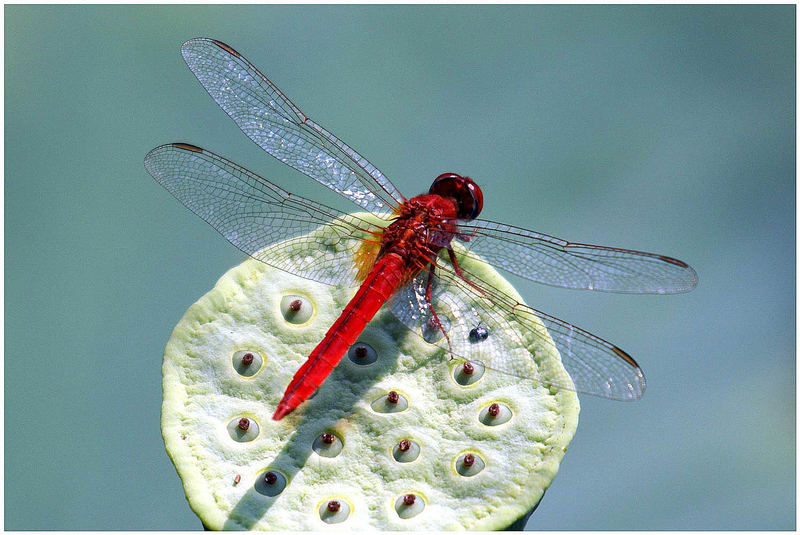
467 194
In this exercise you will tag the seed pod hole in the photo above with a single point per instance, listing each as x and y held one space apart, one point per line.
270 483
495 414
334 510
478 334
362 354
296 309
468 464
390 402
432 330
243 429
405 451
468 372
327 445
247 362
409 505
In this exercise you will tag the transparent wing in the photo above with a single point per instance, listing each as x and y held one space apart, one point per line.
270 119
542 258
253 214
517 336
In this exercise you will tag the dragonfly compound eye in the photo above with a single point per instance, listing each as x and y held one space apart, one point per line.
464 190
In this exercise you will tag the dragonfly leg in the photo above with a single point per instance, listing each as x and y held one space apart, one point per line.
457 268
428 300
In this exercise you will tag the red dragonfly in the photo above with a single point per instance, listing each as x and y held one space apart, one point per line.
401 261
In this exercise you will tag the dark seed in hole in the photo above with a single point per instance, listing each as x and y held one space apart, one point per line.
247 359
469 460
409 499
270 478
237 479
295 305
494 410
392 397
328 438
244 424
404 445
468 368
360 352
334 506
479 333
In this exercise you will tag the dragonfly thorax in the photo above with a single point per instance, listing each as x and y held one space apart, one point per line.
424 225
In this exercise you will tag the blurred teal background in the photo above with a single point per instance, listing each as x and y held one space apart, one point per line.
669 129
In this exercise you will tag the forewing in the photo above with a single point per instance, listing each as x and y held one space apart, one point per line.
548 260
270 119
253 213
517 335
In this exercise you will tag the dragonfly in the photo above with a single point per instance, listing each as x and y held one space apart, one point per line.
409 255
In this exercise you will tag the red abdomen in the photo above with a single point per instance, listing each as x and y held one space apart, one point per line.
383 280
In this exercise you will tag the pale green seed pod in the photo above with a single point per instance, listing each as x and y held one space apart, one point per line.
282 475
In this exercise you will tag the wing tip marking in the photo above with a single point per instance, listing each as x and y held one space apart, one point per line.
673 261
187 146
624 356
226 48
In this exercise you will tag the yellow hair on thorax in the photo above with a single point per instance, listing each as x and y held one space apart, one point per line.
365 257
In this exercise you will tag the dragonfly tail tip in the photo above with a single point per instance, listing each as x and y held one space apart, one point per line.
282 410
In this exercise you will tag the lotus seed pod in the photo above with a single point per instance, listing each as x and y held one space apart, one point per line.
405 451
362 354
285 482
495 414
469 464
478 334
409 506
432 331
243 429
246 363
269 483
334 511
296 309
390 402
466 373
